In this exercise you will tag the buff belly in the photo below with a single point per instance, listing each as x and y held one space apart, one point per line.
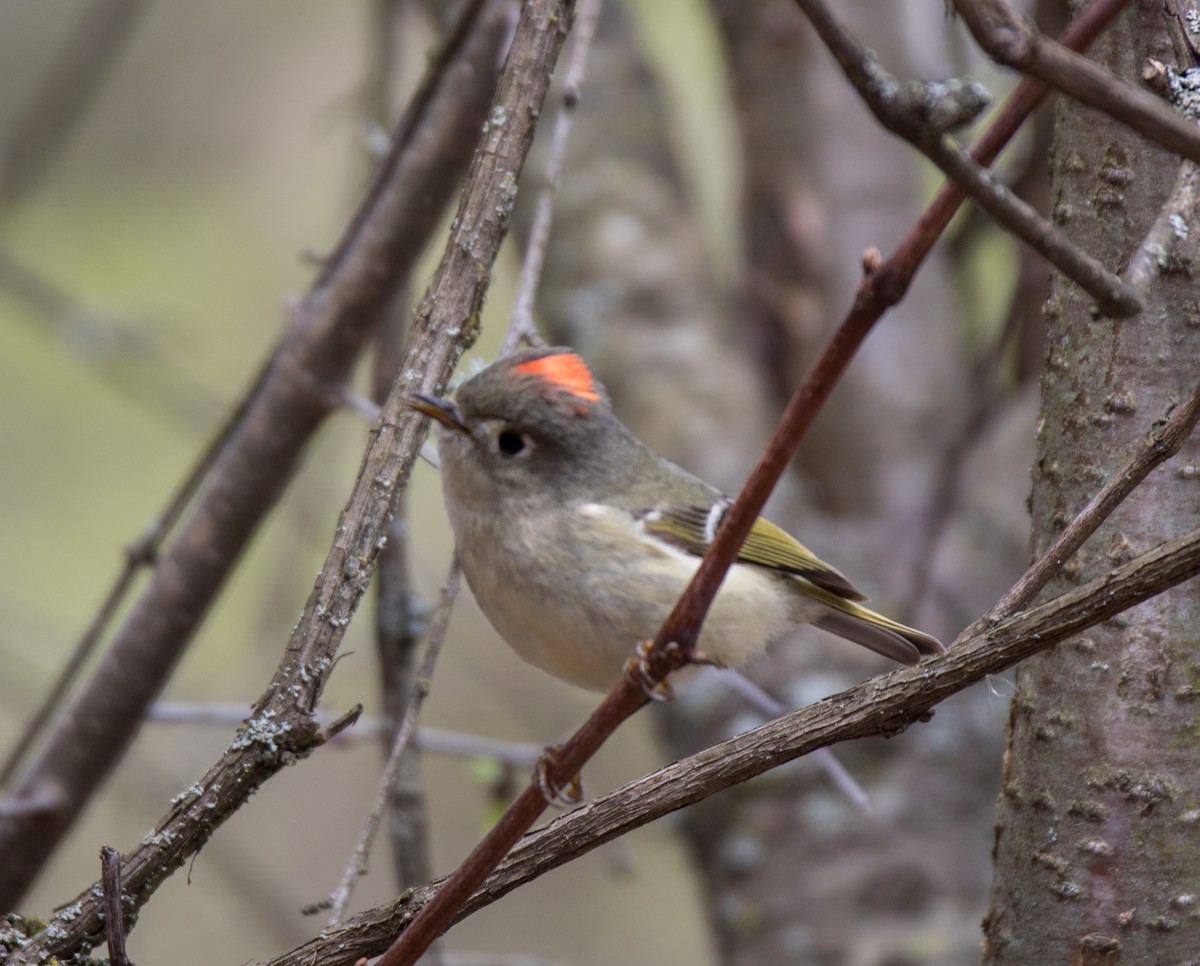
581 623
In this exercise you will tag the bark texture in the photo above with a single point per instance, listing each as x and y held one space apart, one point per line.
1097 846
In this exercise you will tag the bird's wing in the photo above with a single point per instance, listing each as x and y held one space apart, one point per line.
692 528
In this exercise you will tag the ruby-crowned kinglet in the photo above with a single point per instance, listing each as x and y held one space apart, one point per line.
577 540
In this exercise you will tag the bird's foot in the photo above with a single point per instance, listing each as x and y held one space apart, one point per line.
693 656
556 795
637 671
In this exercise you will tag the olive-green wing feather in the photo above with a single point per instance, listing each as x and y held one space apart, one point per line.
692 528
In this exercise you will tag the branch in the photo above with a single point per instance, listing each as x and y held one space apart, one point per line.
908 116
405 732
894 276
522 327
1159 250
296 391
114 916
1013 41
882 706
437 741
1164 440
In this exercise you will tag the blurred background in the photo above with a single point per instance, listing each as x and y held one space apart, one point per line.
722 184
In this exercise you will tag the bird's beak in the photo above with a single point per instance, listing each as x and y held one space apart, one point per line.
443 410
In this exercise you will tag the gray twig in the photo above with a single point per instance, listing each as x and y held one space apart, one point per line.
357 866
114 917
1012 40
905 116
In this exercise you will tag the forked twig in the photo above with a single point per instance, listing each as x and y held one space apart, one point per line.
1164 440
1013 41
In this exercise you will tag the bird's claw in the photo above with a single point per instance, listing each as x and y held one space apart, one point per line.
637 671
555 795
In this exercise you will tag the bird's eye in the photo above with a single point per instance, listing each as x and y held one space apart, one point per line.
510 442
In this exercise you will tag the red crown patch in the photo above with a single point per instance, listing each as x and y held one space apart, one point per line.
566 371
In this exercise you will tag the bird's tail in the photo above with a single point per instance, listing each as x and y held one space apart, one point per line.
881 634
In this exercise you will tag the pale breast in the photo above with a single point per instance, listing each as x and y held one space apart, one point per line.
560 610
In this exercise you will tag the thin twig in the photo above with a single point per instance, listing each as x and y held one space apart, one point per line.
522 327
114 917
383 59
521 754
769 708
357 865
946 491
1157 252
439 741
1164 440
882 706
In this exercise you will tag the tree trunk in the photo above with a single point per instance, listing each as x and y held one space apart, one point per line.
1097 855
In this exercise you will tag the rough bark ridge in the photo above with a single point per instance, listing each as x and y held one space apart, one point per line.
1097 853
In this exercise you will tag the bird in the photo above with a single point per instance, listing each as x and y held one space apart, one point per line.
577 540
